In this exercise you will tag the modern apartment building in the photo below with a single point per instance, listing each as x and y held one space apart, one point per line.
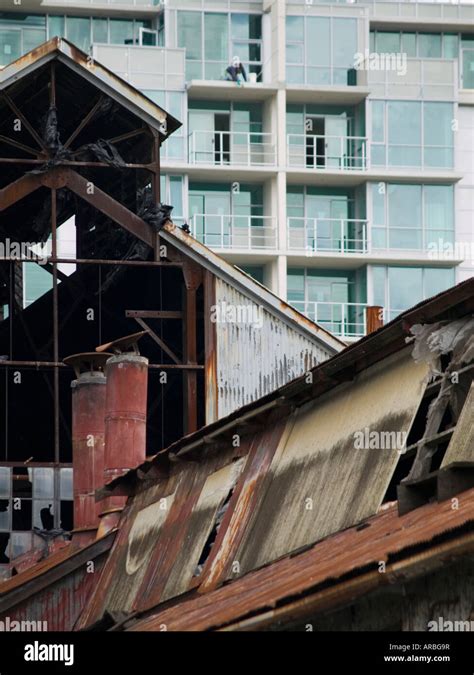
336 183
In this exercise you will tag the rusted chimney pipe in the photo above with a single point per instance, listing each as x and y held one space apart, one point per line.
88 427
125 420
374 318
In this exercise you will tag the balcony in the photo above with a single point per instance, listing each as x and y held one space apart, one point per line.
240 148
235 232
320 235
330 153
347 320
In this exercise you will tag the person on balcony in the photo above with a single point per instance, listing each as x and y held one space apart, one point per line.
236 71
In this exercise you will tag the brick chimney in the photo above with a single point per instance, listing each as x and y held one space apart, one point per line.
88 428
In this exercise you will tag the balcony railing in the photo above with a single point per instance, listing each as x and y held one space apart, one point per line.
231 147
316 235
234 232
421 9
344 319
332 153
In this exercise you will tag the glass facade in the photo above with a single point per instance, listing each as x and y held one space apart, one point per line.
411 216
412 134
320 50
401 287
213 39
422 45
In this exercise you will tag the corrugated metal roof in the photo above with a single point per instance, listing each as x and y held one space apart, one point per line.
117 88
384 537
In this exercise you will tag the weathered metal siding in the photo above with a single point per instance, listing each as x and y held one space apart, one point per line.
319 481
60 604
253 359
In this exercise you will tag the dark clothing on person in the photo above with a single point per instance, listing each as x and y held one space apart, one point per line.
235 71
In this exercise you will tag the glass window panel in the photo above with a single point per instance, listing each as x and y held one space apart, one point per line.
190 34
344 42
405 239
295 282
295 28
55 26
379 237
216 37
5 482
295 74
176 194
438 280
404 123
378 205
240 26
404 205
294 53
450 46
405 287
372 42
404 156
439 207
32 38
378 126
378 280
408 45
429 45
43 483
467 68
378 155
437 124
99 30
10 46
79 31
121 32
65 483
388 42
317 45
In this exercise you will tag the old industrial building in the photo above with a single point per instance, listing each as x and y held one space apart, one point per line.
283 479
77 143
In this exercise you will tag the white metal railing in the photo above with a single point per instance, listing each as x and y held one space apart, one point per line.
231 147
344 319
342 235
234 232
416 78
336 153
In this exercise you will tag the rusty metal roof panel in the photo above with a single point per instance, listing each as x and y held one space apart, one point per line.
381 538
117 88
58 565
326 477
